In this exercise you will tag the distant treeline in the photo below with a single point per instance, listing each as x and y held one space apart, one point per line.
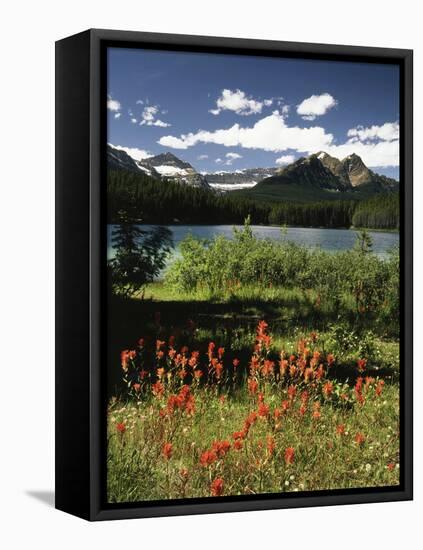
380 212
139 198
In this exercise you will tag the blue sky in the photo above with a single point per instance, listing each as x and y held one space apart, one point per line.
222 112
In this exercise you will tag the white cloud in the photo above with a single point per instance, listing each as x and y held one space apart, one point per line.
380 154
140 102
202 157
233 156
316 105
387 132
136 154
230 157
267 102
238 102
113 104
117 115
218 161
133 120
148 117
285 159
269 134
378 146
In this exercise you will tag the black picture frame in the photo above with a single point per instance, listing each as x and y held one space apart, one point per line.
80 272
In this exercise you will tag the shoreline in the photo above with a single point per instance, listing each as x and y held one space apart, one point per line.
282 227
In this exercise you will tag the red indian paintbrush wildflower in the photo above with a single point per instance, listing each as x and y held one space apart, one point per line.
359 438
292 391
330 359
285 405
358 389
235 362
289 455
219 369
157 389
379 387
283 366
252 386
271 445
137 387
316 411
263 410
120 427
268 368
340 429
167 450
391 466
207 458
216 487
328 389
220 352
361 364
125 356
238 444
221 447
159 344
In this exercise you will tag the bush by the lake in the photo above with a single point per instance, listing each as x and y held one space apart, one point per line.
357 277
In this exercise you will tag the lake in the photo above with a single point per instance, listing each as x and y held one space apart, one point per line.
332 240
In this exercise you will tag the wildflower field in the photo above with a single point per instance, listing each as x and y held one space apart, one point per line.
255 367
203 424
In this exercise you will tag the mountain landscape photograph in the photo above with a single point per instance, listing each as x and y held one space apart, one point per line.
253 268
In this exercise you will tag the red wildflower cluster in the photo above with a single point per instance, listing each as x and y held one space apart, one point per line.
157 388
120 427
207 458
252 386
263 410
184 401
221 448
271 445
328 389
263 338
361 364
167 450
216 487
125 356
358 390
379 387
340 429
289 455
359 438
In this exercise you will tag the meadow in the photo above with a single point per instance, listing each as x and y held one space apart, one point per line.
252 367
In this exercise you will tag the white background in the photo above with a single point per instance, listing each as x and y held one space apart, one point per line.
28 32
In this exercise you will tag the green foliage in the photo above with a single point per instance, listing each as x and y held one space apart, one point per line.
140 255
145 200
141 199
356 277
380 212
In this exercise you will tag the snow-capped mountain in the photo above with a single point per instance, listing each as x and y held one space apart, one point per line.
162 167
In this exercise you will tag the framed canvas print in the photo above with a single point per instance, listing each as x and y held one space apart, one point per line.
234 274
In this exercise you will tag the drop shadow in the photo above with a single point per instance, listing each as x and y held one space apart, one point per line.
46 497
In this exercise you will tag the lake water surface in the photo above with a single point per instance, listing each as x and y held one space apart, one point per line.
332 240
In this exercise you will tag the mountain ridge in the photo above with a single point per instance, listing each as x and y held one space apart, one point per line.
318 176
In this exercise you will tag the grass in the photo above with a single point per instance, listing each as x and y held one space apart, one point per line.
324 459
316 402
339 437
